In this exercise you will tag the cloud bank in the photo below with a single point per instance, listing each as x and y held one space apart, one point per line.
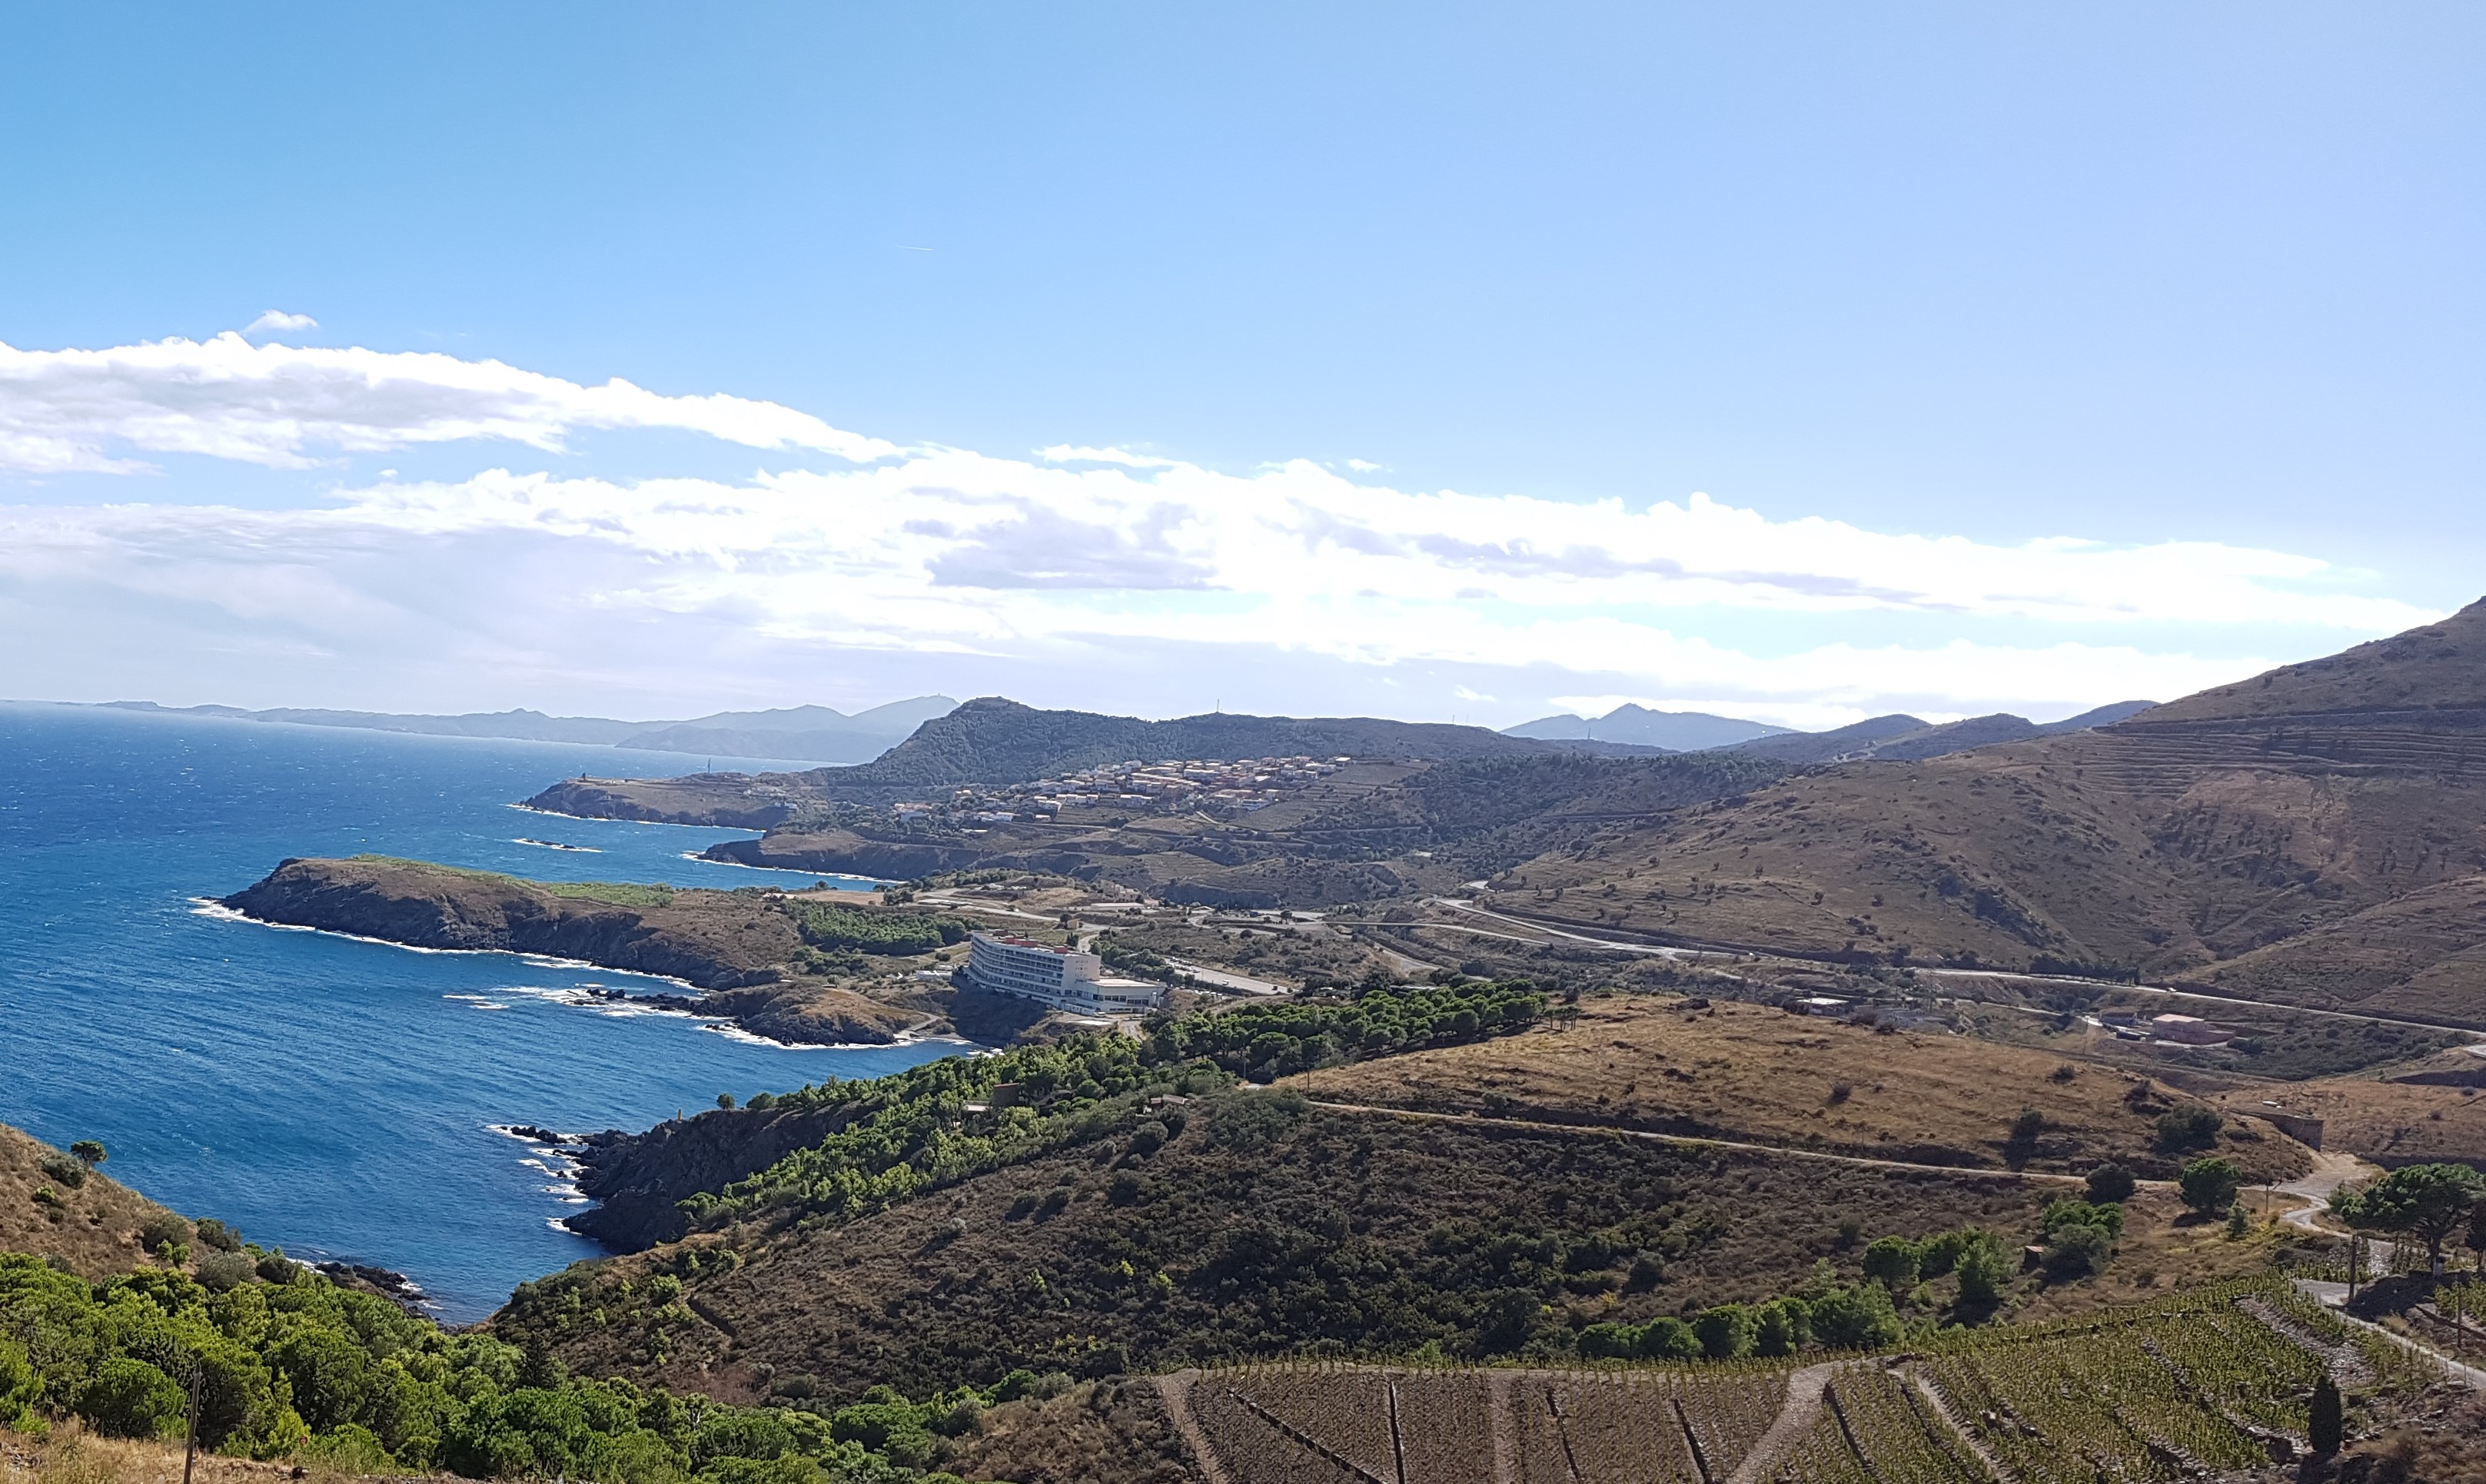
1074 561
65 410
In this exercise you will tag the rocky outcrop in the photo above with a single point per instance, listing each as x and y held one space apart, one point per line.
636 1179
438 907
846 853
725 800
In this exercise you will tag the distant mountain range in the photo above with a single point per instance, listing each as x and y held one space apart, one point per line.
1678 731
795 733
996 739
1881 736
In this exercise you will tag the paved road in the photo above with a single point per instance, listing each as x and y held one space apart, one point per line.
1458 904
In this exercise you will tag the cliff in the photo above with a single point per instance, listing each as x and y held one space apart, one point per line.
636 1179
429 906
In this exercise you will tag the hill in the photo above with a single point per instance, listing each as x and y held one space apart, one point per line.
1679 731
2181 842
992 742
1346 833
1749 1073
808 732
1258 1227
1905 737
87 1221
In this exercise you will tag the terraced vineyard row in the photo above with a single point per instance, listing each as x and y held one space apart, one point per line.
2216 1381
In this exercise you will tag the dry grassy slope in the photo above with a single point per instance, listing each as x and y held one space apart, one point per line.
2391 1123
1746 1072
1314 1236
2437 665
94 1229
2422 954
2196 833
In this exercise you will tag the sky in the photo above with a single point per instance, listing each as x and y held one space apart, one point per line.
1801 361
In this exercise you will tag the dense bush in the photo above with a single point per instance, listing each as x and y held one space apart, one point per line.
67 1170
1265 1042
2196 1127
2210 1185
834 928
306 1369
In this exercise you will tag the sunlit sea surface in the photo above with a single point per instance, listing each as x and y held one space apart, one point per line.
336 1097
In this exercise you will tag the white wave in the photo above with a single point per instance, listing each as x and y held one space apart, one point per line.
554 845
209 907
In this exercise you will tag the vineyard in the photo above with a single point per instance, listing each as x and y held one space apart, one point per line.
2213 1382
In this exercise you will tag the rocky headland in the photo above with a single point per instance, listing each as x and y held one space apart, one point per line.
745 954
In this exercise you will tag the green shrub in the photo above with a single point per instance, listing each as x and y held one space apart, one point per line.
217 1234
1856 1316
162 1228
1782 1327
2112 1184
1984 1268
2210 1185
67 1170
2196 1127
222 1272
1892 1262
1726 1333
830 927
2076 1252
129 1398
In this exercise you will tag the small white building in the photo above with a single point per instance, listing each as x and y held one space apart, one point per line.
1065 978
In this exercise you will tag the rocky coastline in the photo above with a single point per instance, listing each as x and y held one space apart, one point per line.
739 959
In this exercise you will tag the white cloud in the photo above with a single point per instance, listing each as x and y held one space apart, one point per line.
1078 557
271 404
277 319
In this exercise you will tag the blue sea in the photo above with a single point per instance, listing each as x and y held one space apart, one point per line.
332 1097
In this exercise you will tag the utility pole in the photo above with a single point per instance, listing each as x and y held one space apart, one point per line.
190 1448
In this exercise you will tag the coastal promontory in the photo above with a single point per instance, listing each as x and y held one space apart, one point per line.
746 948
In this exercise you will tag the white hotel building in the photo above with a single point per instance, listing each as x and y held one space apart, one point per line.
1065 978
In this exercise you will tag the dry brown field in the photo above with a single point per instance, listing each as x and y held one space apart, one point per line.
1750 1073
2391 1123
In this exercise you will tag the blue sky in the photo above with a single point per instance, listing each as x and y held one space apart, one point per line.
1905 288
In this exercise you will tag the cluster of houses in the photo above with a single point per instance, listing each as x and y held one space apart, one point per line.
1218 785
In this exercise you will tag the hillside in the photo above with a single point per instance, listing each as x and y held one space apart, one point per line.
89 1221
1260 1226
1749 1073
992 743
1360 832
2169 844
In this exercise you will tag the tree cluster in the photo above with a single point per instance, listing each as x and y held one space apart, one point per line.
301 1368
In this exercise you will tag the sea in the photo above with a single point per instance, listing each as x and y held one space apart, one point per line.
343 1099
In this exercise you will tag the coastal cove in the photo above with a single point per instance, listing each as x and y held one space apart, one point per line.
338 1097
